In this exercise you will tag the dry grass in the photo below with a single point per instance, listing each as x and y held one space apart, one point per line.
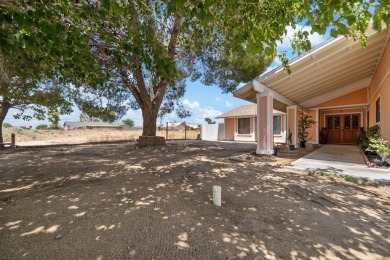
86 135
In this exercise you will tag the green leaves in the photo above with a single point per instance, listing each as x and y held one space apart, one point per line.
149 47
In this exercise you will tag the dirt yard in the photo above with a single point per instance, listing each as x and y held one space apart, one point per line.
123 202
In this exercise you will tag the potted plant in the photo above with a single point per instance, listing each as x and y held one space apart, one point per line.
289 139
304 123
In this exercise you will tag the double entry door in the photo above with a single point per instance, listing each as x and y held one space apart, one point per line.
342 129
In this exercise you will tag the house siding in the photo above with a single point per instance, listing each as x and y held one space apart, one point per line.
229 128
380 86
231 132
356 97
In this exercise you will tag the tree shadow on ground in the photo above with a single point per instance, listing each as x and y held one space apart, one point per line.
116 201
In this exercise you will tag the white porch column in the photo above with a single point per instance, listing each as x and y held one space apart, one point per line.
292 123
265 102
317 119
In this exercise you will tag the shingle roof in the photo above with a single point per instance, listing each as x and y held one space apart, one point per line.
248 110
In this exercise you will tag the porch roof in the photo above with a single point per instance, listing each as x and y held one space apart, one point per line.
337 67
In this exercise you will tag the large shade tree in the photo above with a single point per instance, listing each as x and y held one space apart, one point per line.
150 47
40 99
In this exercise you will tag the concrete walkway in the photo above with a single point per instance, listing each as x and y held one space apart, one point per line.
342 160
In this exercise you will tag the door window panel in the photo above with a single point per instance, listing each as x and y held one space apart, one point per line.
347 122
330 125
355 122
337 122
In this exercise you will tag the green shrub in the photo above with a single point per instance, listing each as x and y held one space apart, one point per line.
362 139
7 125
379 145
372 131
42 127
128 122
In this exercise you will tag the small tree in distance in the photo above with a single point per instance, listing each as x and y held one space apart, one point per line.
128 122
39 127
209 121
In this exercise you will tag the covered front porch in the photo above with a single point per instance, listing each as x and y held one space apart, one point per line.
344 160
330 83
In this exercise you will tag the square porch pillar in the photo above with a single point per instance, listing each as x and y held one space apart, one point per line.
265 134
292 124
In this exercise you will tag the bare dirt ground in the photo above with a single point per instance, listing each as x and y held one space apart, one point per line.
123 202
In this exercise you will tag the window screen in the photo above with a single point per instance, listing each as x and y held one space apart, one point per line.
244 126
277 125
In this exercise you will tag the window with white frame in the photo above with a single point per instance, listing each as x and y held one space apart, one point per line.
244 126
277 125
378 110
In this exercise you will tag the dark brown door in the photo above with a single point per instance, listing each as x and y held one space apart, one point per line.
355 126
342 129
347 131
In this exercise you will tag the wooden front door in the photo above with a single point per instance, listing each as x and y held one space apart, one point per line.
342 129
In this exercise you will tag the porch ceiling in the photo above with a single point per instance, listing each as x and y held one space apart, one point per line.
335 68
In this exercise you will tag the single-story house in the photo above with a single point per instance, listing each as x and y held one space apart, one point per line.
177 126
241 124
193 127
69 125
344 87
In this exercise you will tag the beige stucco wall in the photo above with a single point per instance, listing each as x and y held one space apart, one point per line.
380 86
229 128
291 124
313 129
353 98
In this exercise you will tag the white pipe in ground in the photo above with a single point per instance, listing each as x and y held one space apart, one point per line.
217 195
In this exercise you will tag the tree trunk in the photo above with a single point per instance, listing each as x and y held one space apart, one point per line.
149 115
3 113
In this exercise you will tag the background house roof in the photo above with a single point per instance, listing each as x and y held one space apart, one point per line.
336 68
248 110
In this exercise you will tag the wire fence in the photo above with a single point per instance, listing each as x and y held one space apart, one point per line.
179 131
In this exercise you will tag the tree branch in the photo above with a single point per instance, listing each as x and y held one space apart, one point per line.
162 86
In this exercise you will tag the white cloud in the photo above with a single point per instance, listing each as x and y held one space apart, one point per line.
218 99
198 113
228 104
192 105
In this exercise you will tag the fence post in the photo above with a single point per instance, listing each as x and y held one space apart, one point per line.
185 131
13 139
166 132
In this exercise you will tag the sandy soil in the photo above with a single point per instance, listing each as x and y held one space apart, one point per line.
123 202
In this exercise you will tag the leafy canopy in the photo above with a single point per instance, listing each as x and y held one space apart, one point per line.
143 51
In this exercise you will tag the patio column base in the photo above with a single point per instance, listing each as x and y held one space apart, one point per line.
265 152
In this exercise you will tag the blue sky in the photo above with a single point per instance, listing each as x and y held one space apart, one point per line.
202 101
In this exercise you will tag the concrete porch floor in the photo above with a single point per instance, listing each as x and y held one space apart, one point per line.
342 160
